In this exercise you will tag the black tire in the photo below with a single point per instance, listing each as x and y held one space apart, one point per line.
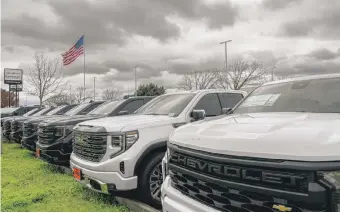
148 180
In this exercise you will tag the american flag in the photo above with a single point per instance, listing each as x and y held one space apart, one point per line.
73 53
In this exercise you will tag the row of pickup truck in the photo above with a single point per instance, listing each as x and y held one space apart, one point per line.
276 149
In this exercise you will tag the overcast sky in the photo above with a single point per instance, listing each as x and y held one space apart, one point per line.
170 37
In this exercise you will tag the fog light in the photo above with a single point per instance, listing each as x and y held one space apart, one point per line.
111 187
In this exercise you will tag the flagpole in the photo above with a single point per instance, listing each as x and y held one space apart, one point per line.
84 64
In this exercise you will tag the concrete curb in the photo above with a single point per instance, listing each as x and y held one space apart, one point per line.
136 206
132 204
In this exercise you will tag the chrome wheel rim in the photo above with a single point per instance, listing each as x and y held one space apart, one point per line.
155 182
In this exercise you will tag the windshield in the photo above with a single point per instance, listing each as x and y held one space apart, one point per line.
54 111
31 112
42 111
106 108
172 105
319 96
77 109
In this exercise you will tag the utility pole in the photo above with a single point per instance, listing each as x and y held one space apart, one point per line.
136 80
70 94
94 88
273 73
225 53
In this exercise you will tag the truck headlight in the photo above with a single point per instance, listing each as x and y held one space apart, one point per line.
130 138
120 143
117 145
68 129
333 177
61 131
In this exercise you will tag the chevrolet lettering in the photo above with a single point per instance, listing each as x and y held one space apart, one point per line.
237 172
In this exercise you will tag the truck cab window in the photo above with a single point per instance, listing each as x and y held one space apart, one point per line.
210 104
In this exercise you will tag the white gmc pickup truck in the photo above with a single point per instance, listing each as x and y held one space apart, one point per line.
278 150
125 153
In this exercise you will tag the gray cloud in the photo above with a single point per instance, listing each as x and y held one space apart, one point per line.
323 24
313 68
324 54
112 22
9 49
278 4
91 68
216 15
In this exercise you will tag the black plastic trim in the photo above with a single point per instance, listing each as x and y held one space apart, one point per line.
289 195
249 161
146 153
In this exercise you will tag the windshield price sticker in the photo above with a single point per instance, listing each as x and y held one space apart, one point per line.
260 100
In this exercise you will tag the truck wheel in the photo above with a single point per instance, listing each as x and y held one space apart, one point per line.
151 179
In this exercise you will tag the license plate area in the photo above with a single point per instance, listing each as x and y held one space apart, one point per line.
77 173
38 152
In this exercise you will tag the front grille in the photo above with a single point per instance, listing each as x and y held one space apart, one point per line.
29 129
7 126
14 126
46 135
232 187
91 147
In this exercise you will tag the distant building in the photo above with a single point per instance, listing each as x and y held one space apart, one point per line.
4 98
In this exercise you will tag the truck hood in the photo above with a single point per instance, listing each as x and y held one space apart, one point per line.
130 122
286 136
35 120
21 119
68 120
12 118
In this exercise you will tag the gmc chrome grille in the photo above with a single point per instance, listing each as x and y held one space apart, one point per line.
46 135
91 147
235 187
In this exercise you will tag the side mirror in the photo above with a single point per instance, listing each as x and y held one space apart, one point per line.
123 113
226 110
14 113
198 114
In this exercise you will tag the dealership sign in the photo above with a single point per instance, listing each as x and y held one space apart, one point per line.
13 89
13 76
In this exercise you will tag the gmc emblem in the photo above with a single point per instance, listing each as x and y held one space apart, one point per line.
290 180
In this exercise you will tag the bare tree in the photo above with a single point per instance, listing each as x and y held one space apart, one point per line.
111 94
198 80
79 95
44 76
241 73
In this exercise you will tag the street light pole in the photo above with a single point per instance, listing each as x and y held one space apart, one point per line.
136 80
273 73
225 53
94 88
70 94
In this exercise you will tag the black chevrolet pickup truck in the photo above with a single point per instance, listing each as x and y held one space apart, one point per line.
55 136
7 122
30 127
16 124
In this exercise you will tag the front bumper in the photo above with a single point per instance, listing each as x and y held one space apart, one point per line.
16 136
29 142
56 153
6 134
175 201
105 182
